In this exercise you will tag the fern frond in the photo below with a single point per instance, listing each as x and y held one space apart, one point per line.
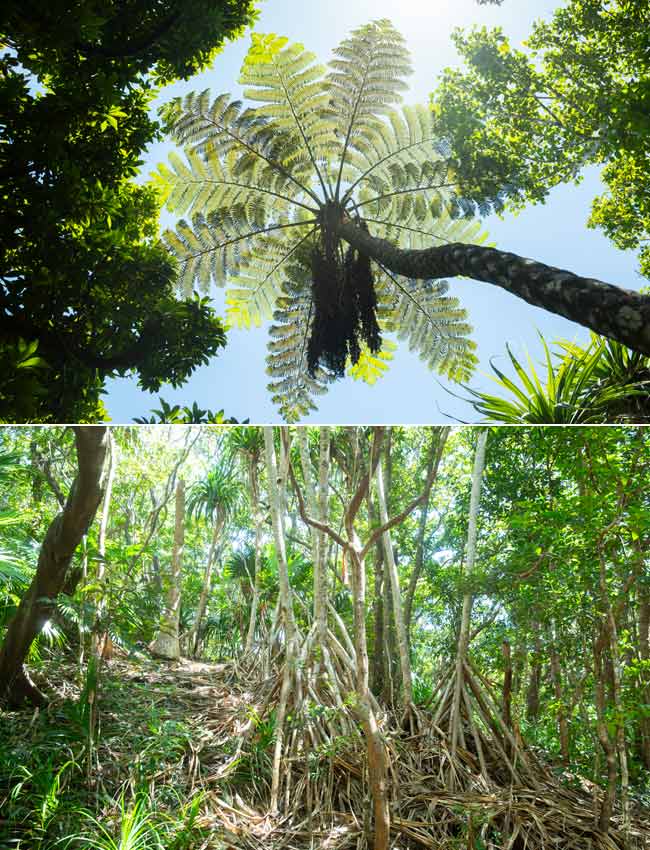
251 295
221 128
366 79
286 80
433 324
292 387
370 367
212 247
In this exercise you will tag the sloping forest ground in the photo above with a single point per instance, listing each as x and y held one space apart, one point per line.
179 755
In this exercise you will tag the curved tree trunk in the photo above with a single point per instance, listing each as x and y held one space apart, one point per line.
620 314
166 643
57 550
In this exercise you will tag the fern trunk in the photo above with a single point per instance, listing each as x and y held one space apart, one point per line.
609 310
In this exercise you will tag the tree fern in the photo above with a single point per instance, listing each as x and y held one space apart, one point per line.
264 188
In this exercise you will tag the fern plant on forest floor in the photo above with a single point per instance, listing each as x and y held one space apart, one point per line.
267 186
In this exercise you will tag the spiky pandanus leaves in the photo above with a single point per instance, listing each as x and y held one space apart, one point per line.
266 188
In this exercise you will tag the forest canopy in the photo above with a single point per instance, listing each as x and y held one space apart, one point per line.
278 623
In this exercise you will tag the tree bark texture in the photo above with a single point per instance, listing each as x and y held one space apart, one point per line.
463 634
614 312
257 519
219 522
534 681
166 643
61 540
402 641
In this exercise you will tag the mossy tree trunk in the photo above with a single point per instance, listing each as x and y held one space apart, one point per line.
614 312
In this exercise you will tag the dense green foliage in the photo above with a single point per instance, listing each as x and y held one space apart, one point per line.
524 121
562 549
87 289
601 383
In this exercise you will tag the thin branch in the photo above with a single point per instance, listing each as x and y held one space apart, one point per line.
321 526
402 515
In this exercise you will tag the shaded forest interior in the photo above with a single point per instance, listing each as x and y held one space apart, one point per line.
324 637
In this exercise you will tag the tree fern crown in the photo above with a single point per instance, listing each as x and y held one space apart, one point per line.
265 187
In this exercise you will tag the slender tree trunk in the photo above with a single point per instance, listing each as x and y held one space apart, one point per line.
257 519
644 652
609 748
317 500
102 643
376 753
402 641
277 499
57 550
611 311
166 643
463 634
379 643
563 726
611 634
219 522
321 598
532 693
507 683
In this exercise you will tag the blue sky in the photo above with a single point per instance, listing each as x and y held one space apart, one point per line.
554 233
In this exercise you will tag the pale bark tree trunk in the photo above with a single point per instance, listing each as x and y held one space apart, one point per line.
317 503
166 643
275 479
257 520
219 522
379 653
611 311
57 550
321 599
101 642
402 641
470 559
644 652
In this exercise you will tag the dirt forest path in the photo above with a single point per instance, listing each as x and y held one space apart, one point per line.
189 732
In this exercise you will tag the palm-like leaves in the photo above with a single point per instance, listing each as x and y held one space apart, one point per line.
602 382
260 183
218 494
